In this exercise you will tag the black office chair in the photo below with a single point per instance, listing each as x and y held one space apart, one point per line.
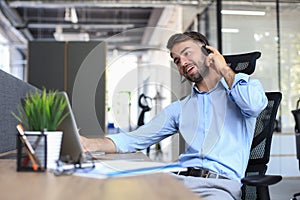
244 62
255 183
145 103
296 114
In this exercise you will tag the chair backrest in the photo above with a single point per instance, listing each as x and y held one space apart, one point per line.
265 124
261 145
244 62
296 114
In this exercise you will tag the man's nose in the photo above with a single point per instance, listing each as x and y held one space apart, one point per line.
183 61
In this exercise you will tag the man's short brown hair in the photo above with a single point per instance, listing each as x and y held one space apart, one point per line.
181 37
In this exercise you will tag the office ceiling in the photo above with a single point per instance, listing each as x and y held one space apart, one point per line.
94 20
84 20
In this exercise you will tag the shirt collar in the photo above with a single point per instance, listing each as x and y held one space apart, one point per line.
218 85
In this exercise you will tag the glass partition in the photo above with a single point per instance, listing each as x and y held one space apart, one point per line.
290 62
4 54
254 26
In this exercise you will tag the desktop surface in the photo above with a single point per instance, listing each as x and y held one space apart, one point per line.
45 185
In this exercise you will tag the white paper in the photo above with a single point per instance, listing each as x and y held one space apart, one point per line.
118 168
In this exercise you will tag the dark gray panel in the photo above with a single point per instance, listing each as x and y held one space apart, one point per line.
46 62
89 59
55 65
11 91
77 52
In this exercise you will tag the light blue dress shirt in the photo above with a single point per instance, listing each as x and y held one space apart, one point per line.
217 126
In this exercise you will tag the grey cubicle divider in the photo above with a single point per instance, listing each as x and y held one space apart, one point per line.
46 64
12 90
88 59
55 65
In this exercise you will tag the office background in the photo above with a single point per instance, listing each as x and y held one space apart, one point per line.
137 62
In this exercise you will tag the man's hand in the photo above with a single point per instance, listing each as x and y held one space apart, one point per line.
98 144
217 61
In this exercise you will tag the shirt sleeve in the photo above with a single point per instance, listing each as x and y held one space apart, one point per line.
160 127
248 94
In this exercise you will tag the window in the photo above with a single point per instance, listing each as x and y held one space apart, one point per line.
4 55
259 32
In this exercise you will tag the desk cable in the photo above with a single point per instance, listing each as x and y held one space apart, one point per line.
63 168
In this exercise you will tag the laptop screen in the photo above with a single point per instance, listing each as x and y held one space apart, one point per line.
71 148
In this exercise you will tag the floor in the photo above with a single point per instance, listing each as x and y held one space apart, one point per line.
285 189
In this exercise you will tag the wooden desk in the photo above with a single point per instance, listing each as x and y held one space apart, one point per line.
45 186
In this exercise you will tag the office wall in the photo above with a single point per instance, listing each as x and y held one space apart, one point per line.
60 66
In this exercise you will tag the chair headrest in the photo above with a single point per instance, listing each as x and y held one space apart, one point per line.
244 62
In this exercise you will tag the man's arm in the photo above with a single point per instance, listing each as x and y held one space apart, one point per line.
248 94
98 144
228 75
164 124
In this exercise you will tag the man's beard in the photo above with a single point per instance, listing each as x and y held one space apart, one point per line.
197 77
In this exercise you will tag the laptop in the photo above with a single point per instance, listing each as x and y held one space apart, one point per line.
72 150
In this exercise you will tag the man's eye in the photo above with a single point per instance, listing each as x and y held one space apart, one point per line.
187 53
176 61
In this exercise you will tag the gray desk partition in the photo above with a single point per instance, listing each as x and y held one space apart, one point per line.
77 68
11 91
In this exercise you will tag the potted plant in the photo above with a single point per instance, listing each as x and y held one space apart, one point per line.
41 113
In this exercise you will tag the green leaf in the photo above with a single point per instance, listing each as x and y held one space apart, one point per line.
42 110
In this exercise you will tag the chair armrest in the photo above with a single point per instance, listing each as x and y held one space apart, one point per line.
261 180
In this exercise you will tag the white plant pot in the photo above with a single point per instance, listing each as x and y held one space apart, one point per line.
54 139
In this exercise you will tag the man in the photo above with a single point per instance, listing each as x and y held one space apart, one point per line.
216 120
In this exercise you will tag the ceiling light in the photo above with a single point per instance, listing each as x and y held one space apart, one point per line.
71 36
70 15
85 26
67 14
230 30
74 18
243 12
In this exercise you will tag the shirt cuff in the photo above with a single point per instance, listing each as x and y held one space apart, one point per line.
238 78
121 141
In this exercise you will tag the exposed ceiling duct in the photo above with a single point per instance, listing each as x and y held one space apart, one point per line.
94 20
47 20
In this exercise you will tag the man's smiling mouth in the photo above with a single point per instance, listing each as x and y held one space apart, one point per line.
189 69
